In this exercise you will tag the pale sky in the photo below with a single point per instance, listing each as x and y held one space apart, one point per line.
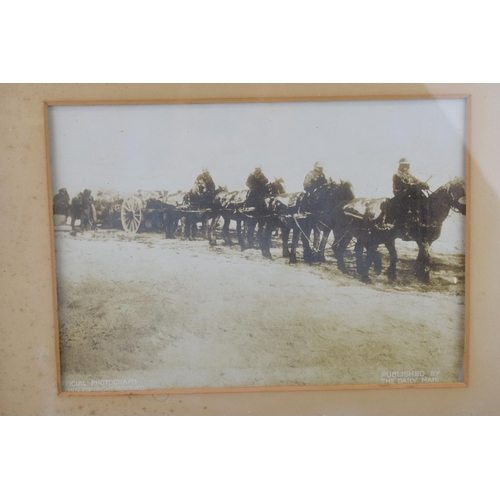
165 146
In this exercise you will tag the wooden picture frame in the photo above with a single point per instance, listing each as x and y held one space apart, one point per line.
321 329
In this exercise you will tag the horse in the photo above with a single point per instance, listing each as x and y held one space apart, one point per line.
171 214
82 208
190 208
269 221
200 202
61 203
315 215
194 200
370 222
285 208
234 206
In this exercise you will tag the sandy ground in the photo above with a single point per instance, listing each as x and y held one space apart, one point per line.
144 312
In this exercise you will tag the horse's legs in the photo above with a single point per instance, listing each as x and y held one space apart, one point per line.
193 228
167 224
174 225
361 268
87 219
84 220
250 229
340 244
193 224
317 234
212 240
308 251
285 234
265 230
240 231
261 230
225 231
322 245
305 232
183 228
391 248
377 261
372 256
423 261
250 232
93 217
295 244
188 227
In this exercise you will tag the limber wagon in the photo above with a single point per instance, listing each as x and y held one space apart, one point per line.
140 211
158 210
161 211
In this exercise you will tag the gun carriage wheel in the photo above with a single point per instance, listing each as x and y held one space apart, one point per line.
131 214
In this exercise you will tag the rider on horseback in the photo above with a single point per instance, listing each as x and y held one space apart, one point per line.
206 179
257 184
205 189
408 194
313 181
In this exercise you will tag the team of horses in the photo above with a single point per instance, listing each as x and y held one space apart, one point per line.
309 219
313 217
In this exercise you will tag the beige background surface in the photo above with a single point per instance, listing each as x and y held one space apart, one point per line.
27 353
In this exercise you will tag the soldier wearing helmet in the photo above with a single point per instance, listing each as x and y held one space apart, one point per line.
207 180
314 179
257 185
408 193
404 183
312 182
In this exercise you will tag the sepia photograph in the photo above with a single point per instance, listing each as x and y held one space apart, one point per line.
259 245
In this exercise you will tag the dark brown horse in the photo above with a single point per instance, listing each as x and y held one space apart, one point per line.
61 203
195 202
190 209
200 203
235 206
285 208
82 208
366 220
172 207
315 216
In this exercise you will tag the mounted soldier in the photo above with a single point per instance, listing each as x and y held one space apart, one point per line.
257 184
206 179
314 180
202 194
408 194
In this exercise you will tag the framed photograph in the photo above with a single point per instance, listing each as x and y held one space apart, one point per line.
256 245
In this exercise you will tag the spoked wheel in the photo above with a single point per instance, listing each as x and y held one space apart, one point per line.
88 221
131 214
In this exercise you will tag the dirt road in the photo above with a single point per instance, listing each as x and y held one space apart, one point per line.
144 312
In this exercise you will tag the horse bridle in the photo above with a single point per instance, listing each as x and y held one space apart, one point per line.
454 208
